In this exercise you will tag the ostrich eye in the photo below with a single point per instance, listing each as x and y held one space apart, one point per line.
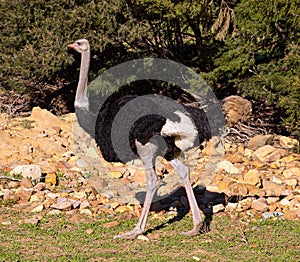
78 43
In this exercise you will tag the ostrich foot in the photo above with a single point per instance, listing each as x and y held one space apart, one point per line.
130 234
194 232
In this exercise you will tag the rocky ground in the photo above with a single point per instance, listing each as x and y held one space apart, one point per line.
48 165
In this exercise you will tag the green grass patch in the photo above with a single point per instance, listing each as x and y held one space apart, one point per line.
63 238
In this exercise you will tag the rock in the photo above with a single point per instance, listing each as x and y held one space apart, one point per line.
97 182
252 177
295 171
51 179
267 215
239 189
39 186
6 223
292 214
62 205
227 166
259 141
139 176
260 205
143 238
268 153
272 200
23 193
115 174
37 209
86 212
248 153
111 224
218 208
123 209
13 184
291 182
231 206
26 182
89 231
84 204
54 212
284 202
32 221
288 142
47 118
79 195
28 171
273 189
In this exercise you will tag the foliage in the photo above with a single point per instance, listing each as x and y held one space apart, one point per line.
35 34
259 58
262 60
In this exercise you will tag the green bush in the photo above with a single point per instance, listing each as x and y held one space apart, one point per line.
263 60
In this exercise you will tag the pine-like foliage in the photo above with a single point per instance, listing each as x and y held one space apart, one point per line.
263 60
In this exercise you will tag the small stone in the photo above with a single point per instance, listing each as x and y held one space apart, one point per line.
227 166
139 176
218 208
248 153
29 171
288 142
123 209
295 171
26 182
291 182
37 209
62 205
268 153
97 182
79 195
89 231
252 177
143 238
32 221
259 141
231 206
13 184
92 153
115 174
6 223
276 179
292 214
273 189
39 186
111 224
267 215
84 204
272 200
51 179
54 212
260 205
86 212
23 194
285 202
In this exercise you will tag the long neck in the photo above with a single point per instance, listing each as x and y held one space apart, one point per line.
81 99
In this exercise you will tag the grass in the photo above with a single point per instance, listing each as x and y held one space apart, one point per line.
80 238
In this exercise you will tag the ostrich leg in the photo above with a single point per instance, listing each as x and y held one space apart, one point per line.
183 171
147 154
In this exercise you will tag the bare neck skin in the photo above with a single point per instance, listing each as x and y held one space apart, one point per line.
81 99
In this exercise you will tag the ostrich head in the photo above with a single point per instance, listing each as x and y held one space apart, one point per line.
81 45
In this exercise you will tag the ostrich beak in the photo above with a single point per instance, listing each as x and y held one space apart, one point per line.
72 46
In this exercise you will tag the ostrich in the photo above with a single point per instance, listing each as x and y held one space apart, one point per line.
151 135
